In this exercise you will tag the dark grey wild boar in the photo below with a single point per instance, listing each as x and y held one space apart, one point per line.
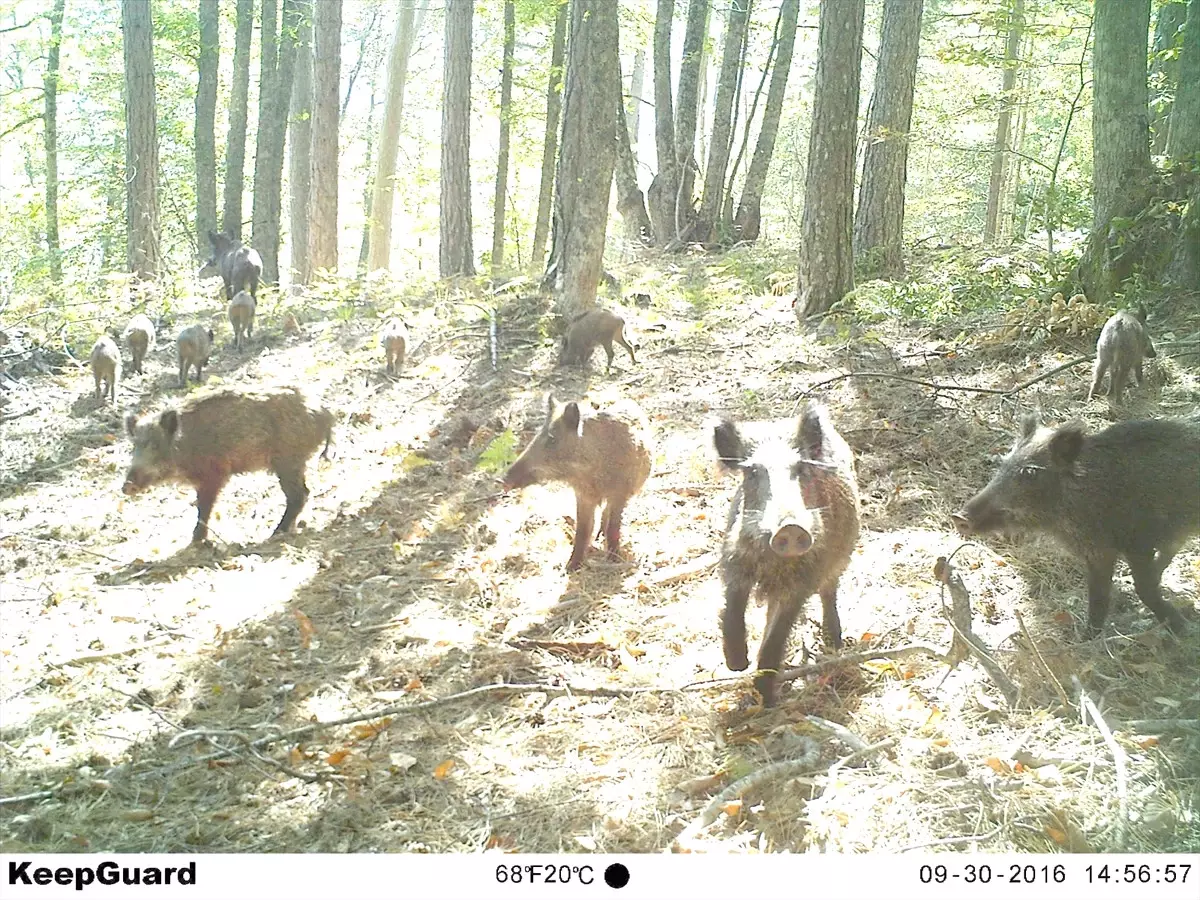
240 267
105 361
211 438
1123 343
394 338
139 335
584 332
605 456
1131 490
241 317
792 527
195 347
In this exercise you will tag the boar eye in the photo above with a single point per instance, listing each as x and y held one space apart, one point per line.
1030 471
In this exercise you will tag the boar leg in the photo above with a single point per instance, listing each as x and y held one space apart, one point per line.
1101 368
183 370
781 616
1137 371
206 496
609 350
1146 582
831 623
1116 383
585 518
612 528
291 479
738 585
624 343
1166 553
1099 582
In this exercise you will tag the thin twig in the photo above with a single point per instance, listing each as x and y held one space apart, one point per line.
1002 392
1088 708
965 839
866 656
22 414
1037 655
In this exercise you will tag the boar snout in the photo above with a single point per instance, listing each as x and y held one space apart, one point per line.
791 539
962 522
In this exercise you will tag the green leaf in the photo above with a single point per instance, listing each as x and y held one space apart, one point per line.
499 454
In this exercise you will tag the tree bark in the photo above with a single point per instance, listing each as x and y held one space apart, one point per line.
323 197
235 147
665 185
456 246
721 142
300 146
206 118
637 87
1012 46
141 141
506 79
364 244
590 103
1164 68
50 113
748 221
826 272
631 203
541 228
687 110
879 222
1184 138
274 98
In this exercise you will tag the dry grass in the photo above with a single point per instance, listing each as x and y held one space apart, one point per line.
414 579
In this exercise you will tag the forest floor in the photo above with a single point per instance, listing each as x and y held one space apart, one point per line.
128 658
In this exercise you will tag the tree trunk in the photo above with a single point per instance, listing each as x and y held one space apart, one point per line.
206 117
274 98
323 180
665 185
1164 68
235 147
506 78
300 146
590 102
879 223
721 142
1184 138
364 246
748 221
141 141
727 206
637 87
541 226
826 271
50 90
455 245
1012 46
631 203
687 110
1120 137
384 192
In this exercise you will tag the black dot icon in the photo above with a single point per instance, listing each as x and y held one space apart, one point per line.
616 876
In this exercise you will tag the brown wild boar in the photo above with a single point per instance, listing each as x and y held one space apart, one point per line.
596 326
1123 343
195 346
105 361
241 317
393 335
139 335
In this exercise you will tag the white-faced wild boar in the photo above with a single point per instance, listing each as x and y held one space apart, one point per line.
139 335
1123 343
605 456
584 332
1131 490
393 335
792 527
241 317
211 438
105 361
195 347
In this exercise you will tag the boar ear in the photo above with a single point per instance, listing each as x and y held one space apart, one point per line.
131 423
1029 426
570 416
1066 443
1141 312
731 449
169 422
810 434
551 406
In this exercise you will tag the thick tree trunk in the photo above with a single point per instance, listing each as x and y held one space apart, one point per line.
665 185
1012 46
206 118
235 147
721 143
590 103
879 223
541 228
50 90
506 79
141 141
631 203
637 87
1164 70
323 197
300 146
687 111
456 247
1184 138
747 223
826 272
274 98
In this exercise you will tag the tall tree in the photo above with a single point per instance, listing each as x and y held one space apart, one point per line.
206 118
1164 66
732 62
141 141
637 85
506 78
1012 47
235 147
631 203
826 255
687 110
1120 134
585 163
323 196
455 246
274 99
541 228
300 146
747 222
50 113
665 185
1184 137
879 222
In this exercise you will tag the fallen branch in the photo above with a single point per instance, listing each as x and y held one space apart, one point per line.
1088 708
1037 655
22 414
1001 392
96 657
76 545
866 656
961 610
942 842
684 571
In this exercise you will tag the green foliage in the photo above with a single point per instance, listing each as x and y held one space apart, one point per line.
500 453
